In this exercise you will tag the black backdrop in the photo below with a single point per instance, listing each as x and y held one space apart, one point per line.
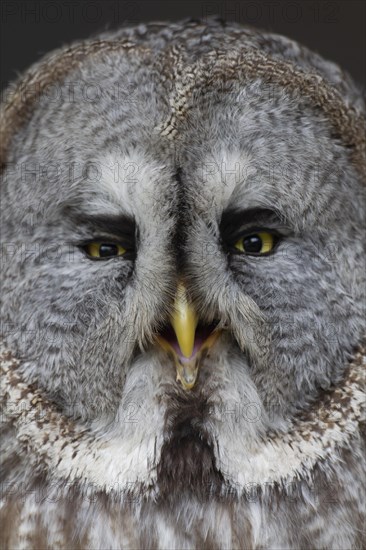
336 29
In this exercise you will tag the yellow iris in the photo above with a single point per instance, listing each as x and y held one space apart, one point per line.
104 250
256 243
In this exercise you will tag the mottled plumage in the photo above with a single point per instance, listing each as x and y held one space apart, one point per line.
175 138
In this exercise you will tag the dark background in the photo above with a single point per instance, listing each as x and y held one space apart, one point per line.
335 29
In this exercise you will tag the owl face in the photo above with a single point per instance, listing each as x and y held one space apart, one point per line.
187 293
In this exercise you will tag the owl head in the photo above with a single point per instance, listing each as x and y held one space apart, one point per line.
182 230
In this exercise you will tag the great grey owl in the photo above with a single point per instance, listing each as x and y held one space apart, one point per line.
183 294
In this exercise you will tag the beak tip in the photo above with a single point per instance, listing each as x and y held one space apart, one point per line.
187 375
186 351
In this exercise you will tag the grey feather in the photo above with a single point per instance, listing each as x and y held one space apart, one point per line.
179 127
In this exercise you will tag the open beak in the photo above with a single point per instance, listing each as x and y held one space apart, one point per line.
186 339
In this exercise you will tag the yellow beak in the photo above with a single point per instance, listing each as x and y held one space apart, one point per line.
184 321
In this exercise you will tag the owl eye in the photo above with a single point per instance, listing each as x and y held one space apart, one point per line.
256 244
104 250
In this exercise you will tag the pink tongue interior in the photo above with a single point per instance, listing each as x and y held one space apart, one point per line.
202 333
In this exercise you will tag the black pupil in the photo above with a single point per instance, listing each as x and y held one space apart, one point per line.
106 250
252 243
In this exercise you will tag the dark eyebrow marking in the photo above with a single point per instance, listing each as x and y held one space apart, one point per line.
121 226
233 221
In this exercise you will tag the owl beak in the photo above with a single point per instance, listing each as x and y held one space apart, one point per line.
187 349
184 321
